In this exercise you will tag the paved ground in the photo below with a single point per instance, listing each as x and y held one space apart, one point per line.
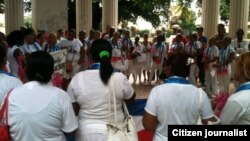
142 90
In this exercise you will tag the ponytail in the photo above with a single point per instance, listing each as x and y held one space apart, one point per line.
106 69
101 51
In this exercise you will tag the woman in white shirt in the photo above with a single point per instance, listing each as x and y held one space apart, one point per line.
240 46
223 65
159 54
30 44
237 108
146 45
15 56
212 55
74 57
176 102
7 81
89 94
37 110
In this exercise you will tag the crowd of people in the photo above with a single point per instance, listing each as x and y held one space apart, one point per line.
39 111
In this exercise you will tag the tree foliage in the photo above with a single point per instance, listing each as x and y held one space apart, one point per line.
26 4
187 17
148 10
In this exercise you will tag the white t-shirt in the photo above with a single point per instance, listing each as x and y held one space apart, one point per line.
6 84
74 48
192 48
142 57
12 60
40 112
241 47
237 108
212 52
30 48
175 103
116 51
87 89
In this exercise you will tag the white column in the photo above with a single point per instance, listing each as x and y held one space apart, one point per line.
239 10
210 16
13 15
49 15
83 15
109 14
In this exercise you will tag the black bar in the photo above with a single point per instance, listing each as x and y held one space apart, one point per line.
209 132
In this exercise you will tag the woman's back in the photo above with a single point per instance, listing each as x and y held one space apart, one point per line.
87 89
40 112
177 104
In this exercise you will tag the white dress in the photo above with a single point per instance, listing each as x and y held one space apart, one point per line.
73 55
118 62
224 72
87 89
148 57
210 71
140 60
194 70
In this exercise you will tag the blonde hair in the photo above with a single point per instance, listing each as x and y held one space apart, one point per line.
52 36
243 65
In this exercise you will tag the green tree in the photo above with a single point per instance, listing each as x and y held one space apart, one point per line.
187 17
224 10
149 10
26 4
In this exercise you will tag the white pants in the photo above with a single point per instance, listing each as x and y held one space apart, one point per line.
211 82
92 132
194 71
224 82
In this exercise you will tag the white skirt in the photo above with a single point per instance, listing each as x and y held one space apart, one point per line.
121 66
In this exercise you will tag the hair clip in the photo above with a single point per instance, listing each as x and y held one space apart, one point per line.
190 61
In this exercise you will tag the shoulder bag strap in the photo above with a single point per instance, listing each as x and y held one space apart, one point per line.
111 86
200 99
126 112
4 109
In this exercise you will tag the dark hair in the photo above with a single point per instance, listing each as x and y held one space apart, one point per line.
240 30
2 36
72 31
221 25
16 37
3 55
106 68
59 30
40 34
178 64
199 29
40 67
29 31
